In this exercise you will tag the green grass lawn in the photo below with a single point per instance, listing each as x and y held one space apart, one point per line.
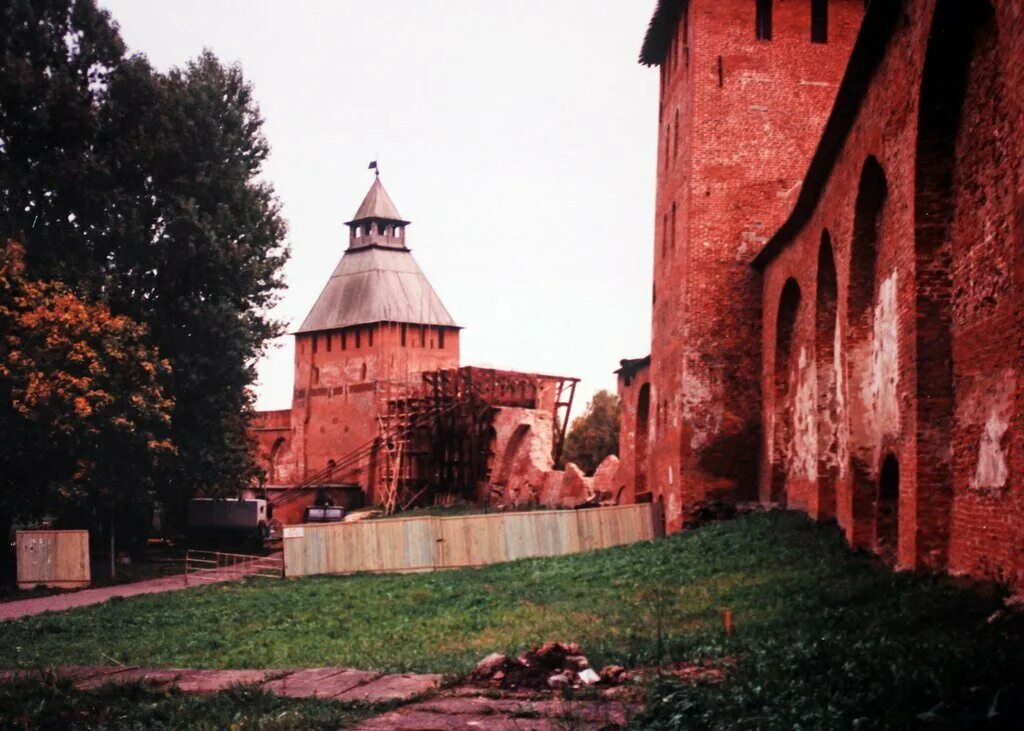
49 703
825 636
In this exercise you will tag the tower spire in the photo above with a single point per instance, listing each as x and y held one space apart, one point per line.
377 222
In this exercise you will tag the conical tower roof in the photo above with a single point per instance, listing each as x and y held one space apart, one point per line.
377 205
376 285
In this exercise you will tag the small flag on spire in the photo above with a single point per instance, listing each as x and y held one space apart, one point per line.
373 166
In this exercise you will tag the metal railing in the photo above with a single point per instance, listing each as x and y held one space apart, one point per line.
218 566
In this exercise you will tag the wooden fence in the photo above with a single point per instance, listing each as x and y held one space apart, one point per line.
58 558
424 544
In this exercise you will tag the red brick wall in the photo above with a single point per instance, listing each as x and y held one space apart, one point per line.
340 377
749 114
272 432
932 377
337 387
635 416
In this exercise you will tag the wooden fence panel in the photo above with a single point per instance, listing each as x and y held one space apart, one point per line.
423 544
58 558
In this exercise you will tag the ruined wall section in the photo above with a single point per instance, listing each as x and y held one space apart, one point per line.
971 523
750 114
272 432
522 469
633 387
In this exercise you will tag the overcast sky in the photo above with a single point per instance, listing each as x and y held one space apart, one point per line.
518 137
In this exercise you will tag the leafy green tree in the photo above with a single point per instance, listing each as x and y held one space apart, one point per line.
84 418
595 435
202 252
143 190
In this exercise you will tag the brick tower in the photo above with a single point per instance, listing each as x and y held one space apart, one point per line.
377 322
746 87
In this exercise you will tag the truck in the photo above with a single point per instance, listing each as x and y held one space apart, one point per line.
213 522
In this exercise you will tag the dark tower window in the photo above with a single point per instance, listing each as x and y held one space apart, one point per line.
369 335
423 336
673 233
404 329
819 21
344 340
328 338
440 338
314 343
676 137
668 140
763 21
359 338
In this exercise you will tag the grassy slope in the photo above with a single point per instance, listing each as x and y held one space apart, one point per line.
822 632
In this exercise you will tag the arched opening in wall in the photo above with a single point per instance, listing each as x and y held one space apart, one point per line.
362 372
508 457
957 28
825 367
785 324
887 509
491 439
643 429
274 459
872 193
331 466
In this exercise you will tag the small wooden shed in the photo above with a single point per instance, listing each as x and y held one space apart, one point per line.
57 558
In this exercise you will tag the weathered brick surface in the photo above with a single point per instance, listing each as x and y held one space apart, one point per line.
926 361
738 124
634 390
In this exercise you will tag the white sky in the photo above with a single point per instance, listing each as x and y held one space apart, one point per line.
518 137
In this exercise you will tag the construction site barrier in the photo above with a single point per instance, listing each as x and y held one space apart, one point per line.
429 543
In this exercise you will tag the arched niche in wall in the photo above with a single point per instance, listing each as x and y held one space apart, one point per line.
825 313
887 509
274 458
957 31
643 428
872 193
785 326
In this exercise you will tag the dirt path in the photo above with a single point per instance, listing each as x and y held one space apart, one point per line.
59 602
341 684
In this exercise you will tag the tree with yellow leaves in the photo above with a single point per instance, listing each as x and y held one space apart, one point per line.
84 418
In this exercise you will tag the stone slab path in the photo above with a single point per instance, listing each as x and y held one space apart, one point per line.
461 708
341 684
459 712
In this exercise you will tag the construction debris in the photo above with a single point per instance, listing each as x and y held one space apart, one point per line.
552 666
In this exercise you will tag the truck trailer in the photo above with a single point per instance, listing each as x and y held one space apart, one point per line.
218 521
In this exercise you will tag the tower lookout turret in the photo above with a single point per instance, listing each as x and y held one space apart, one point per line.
377 222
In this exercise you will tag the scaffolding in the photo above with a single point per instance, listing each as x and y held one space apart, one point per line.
435 436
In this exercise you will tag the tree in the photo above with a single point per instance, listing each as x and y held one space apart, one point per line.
84 418
595 435
56 58
199 260
142 190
